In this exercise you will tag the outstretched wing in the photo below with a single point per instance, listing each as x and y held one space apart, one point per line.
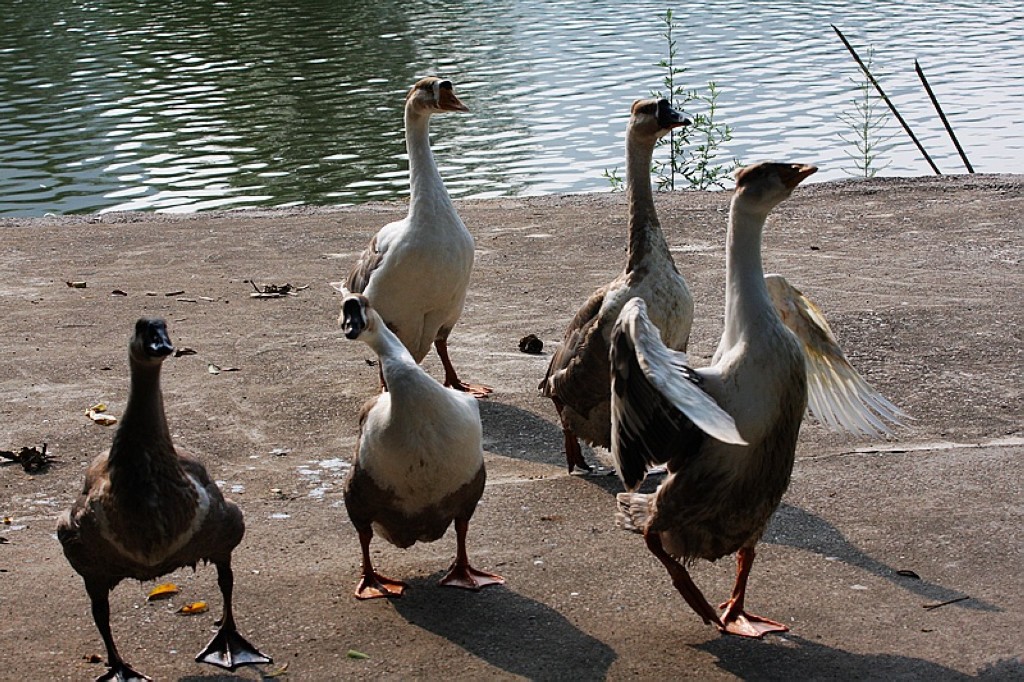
837 395
659 410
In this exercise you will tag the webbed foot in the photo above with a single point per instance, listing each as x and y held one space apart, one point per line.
229 649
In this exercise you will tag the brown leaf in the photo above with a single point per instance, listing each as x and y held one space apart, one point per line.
184 350
118 292
193 609
162 591
76 285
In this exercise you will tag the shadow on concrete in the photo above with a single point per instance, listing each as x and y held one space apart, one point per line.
795 658
795 527
520 434
518 635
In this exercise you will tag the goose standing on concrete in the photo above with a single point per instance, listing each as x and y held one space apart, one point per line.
725 482
148 509
577 380
416 271
419 462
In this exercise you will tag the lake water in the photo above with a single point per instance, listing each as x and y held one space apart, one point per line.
186 105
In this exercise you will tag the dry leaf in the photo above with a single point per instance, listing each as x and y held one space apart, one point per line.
214 369
194 608
118 292
177 292
76 285
283 670
98 414
162 591
185 350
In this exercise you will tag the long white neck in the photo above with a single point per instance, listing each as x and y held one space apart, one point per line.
645 236
427 192
747 302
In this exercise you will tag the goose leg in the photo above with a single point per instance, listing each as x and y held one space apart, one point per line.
99 595
451 379
461 574
735 620
573 453
229 649
373 585
682 580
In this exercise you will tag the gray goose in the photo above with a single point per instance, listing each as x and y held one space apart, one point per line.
415 271
148 509
577 380
728 432
419 464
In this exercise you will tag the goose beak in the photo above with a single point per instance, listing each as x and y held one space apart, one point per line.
797 173
446 99
670 118
159 345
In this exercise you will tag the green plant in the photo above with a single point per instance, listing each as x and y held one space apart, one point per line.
867 122
692 150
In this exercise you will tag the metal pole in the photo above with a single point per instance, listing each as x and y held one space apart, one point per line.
892 108
949 128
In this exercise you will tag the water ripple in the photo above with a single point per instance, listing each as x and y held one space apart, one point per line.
183 105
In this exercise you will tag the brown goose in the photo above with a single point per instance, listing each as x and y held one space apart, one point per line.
577 380
416 271
419 463
724 483
147 509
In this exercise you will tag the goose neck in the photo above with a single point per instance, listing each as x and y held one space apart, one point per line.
144 423
426 188
746 295
645 235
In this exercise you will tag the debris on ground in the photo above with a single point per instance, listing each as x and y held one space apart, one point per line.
32 460
531 344
275 290
98 413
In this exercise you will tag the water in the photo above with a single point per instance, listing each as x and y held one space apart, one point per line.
187 105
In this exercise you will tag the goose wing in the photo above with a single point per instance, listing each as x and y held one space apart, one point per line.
578 371
659 410
837 395
369 260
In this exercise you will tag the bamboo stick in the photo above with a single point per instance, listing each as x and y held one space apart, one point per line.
885 98
942 115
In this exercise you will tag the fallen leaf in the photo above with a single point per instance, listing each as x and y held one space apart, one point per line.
908 574
194 608
162 591
214 369
185 350
76 285
100 416
207 298
177 292
186 300
359 655
118 292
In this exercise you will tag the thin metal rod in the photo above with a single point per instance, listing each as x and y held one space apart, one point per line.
942 115
885 98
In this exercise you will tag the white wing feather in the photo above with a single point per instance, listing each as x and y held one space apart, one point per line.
662 367
837 395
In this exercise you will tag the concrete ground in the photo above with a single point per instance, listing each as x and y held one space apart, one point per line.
889 560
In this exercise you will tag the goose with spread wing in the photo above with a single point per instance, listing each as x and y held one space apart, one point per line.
728 432
577 380
416 271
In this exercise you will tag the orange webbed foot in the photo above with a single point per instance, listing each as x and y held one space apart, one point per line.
376 586
469 578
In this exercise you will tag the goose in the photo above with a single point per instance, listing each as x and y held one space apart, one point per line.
419 464
577 379
416 270
147 509
726 476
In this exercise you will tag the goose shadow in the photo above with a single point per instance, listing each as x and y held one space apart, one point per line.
799 659
518 635
798 528
520 434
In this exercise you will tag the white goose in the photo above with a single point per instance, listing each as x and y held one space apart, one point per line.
416 270
419 463
577 380
724 483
